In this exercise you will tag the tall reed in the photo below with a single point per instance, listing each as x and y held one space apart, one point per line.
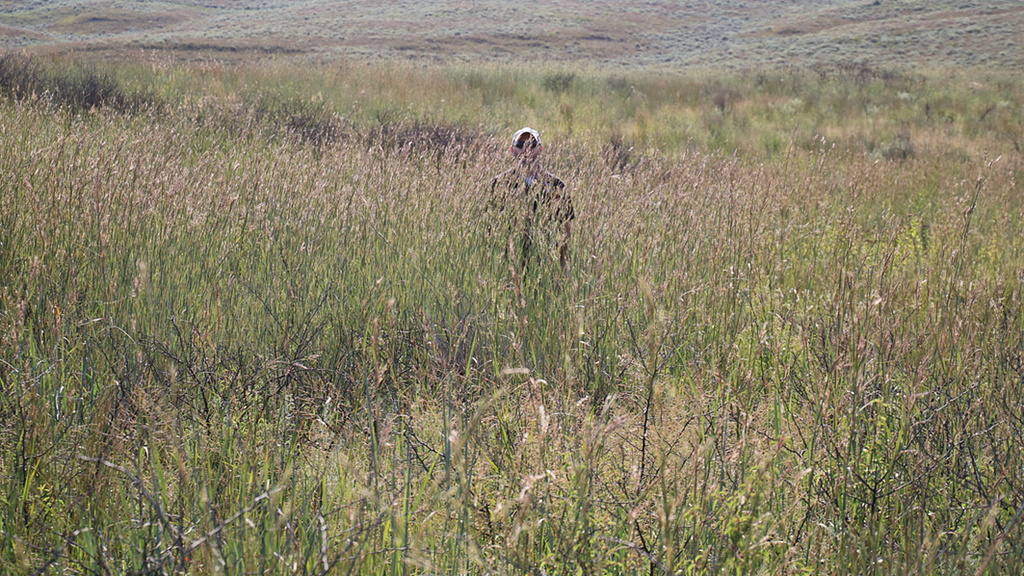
229 346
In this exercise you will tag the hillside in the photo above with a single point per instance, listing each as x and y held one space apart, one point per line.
718 34
263 315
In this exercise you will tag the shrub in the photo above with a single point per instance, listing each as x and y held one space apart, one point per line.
76 87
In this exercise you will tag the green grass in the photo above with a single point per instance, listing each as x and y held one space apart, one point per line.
229 344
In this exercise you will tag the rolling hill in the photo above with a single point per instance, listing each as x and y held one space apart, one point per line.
669 34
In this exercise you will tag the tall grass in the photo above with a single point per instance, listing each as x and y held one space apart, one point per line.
232 345
889 114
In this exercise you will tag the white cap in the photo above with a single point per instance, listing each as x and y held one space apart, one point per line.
523 131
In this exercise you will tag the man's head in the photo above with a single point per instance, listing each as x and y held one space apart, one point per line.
526 143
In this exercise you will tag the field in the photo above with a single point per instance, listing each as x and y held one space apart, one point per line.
661 34
257 317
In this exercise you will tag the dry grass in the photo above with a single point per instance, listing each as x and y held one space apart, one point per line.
228 346
666 34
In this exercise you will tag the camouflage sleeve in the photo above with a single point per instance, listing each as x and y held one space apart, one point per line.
561 200
495 201
492 206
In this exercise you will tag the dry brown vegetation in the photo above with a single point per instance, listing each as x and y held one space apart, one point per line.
716 34
251 322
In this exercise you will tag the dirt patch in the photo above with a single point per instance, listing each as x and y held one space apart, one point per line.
15 32
118 21
560 45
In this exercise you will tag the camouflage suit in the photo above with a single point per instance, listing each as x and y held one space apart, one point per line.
533 210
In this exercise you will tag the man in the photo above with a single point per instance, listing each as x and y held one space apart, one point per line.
532 202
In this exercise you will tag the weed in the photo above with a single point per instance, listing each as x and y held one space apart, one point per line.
245 332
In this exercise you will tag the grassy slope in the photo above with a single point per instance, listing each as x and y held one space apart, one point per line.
718 34
229 342
227 348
